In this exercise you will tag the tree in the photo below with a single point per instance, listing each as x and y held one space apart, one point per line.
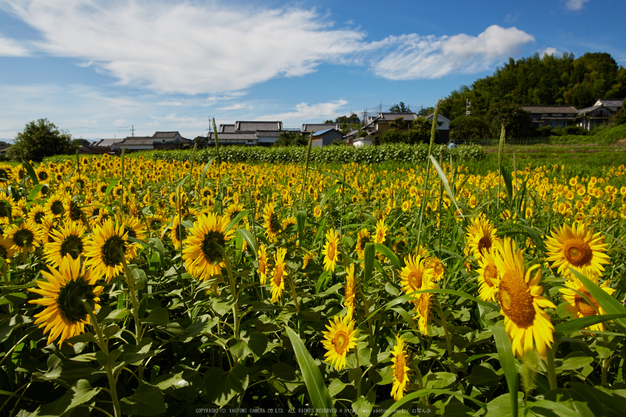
201 141
400 108
291 138
468 128
40 139
517 122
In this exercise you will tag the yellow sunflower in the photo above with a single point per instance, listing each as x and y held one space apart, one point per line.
488 277
55 205
399 368
579 248
436 268
521 302
381 231
363 238
278 275
7 207
107 249
35 215
338 340
422 308
578 306
178 232
67 241
415 276
201 255
481 236
63 294
262 263
24 237
272 221
350 290
331 250
6 248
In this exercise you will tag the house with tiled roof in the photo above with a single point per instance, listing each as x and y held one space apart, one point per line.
247 133
159 140
307 128
376 126
552 115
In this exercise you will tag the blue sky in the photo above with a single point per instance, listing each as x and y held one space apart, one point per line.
99 68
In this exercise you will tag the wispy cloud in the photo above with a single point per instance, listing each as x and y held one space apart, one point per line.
187 47
9 47
313 112
575 4
431 57
550 51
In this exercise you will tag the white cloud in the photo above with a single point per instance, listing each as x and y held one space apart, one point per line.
187 47
9 47
305 112
432 57
575 4
550 51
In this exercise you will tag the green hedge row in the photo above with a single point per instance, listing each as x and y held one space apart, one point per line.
327 154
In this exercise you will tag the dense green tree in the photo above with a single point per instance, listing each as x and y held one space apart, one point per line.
40 139
201 141
468 129
411 133
517 122
619 118
291 138
399 108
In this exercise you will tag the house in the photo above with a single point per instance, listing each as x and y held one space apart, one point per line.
106 142
362 141
244 133
160 140
599 113
307 128
443 127
378 125
325 137
552 115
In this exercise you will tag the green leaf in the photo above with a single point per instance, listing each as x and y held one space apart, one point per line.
205 170
424 392
237 218
581 323
301 222
34 192
222 386
607 302
80 393
320 398
368 261
362 407
147 400
112 184
502 407
507 361
158 316
31 172
508 182
380 248
328 194
444 181
249 239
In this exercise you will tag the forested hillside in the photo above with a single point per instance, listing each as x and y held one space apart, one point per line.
541 80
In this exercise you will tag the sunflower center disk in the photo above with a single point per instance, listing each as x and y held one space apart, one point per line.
213 240
23 238
415 280
340 342
113 250
491 272
57 208
331 251
577 252
516 301
5 209
484 244
274 223
73 246
583 306
70 299
399 368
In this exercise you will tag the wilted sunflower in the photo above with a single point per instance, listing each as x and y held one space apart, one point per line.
201 254
521 302
63 294
481 236
262 263
338 340
350 289
578 306
69 241
107 249
24 237
399 368
363 238
488 277
579 248
331 250
278 275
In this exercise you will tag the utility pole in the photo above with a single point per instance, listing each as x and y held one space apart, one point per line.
132 130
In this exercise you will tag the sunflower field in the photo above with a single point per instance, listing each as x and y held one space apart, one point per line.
151 287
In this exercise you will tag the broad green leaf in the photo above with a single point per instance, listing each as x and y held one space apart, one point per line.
389 254
368 261
80 393
249 239
31 172
223 386
147 400
205 170
507 362
607 302
425 392
301 222
112 184
237 218
157 317
320 398
362 407
581 323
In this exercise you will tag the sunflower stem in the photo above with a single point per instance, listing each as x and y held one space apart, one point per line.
133 298
551 368
444 324
295 294
102 344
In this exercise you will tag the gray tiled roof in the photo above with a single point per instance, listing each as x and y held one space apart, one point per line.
137 140
551 109
393 116
226 128
258 125
315 127
165 135
107 142
234 136
610 102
